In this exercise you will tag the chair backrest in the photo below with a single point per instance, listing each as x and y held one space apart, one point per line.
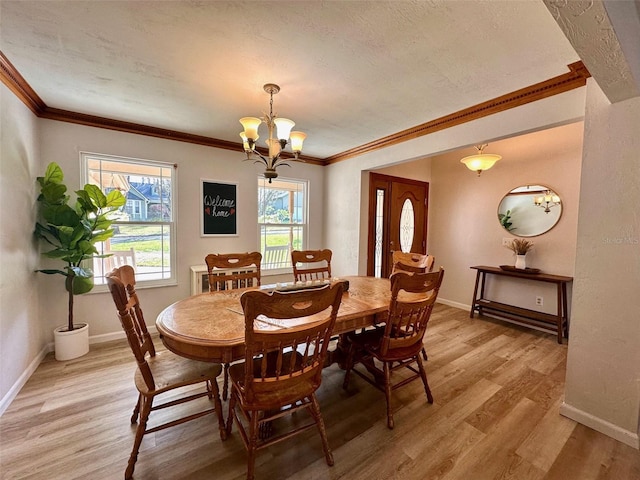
122 285
276 256
311 264
116 259
119 258
412 262
291 349
412 299
235 270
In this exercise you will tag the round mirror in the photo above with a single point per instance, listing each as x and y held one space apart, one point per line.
529 210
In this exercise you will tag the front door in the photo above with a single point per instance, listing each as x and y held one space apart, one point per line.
397 220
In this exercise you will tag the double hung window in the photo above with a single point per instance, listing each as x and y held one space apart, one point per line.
144 227
282 221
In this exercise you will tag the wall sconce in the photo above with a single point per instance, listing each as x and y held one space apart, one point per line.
546 201
480 161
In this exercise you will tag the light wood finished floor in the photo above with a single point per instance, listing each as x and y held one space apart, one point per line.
497 390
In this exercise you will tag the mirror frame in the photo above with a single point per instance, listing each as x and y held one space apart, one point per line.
530 191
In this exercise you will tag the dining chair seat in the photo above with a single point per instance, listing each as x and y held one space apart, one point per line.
170 370
284 395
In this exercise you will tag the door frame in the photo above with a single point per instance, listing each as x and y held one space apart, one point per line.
376 181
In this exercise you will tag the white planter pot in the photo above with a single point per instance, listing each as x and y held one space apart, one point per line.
71 344
521 263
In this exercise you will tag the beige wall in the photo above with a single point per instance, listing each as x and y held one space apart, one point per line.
21 329
346 198
62 142
463 223
603 369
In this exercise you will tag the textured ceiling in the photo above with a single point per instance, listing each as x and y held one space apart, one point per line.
350 71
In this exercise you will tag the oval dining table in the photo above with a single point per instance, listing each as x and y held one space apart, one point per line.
210 326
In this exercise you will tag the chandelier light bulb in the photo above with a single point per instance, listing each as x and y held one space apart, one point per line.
297 138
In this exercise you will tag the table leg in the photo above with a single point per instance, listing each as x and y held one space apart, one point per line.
565 310
475 293
560 314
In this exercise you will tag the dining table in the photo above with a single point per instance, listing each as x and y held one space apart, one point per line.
210 326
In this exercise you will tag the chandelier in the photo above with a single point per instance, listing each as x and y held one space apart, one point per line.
546 201
480 161
276 146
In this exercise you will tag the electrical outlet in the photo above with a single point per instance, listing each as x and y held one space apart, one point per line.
540 301
506 242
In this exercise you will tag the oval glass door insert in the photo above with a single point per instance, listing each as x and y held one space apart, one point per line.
407 223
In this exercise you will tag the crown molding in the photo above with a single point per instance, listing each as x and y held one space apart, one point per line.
575 78
19 86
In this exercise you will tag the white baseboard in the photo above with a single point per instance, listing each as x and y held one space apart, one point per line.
451 303
22 380
625 436
15 389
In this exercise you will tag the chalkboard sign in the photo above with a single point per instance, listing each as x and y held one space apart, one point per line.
218 208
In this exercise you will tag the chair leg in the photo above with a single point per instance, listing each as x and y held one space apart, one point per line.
423 374
251 444
317 416
225 383
387 393
232 406
136 409
145 410
212 387
424 354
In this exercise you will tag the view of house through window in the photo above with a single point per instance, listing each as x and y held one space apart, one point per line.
282 220
144 229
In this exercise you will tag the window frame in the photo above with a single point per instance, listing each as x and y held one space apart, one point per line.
304 225
141 283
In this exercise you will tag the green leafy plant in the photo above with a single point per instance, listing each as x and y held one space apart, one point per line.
505 220
73 231
520 246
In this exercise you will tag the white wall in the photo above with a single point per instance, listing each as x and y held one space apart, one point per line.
603 369
61 142
21 327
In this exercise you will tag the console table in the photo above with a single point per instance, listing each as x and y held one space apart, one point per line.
553 323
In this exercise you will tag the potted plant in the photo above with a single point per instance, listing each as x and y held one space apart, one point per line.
520 247
505 220
73 233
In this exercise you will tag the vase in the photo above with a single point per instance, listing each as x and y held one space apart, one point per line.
71 344
521 262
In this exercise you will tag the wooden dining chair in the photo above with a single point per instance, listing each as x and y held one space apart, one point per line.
228 271
284 357
399 343
311 264
159 373
412 262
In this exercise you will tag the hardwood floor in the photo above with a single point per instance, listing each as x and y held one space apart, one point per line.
497 390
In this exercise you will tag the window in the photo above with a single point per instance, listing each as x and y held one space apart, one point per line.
144 228
282 221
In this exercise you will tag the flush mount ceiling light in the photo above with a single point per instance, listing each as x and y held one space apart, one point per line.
276 146
480 161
